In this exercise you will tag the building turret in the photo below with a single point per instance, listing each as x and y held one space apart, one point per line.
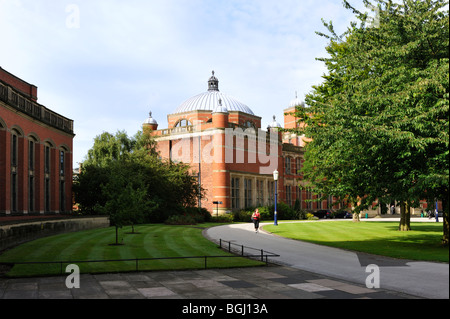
150 124
220 116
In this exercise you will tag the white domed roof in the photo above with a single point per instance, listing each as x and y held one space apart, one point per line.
209 101
150 120
296 102
275 124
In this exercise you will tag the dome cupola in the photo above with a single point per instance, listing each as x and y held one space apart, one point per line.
150 123
209 101
296 102
213 83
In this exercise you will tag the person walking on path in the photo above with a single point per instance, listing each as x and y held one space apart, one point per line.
256 218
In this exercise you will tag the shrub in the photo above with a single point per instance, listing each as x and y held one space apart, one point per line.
302 214
188 216
284 211
266 213
228 218
199 215
180 220
242 216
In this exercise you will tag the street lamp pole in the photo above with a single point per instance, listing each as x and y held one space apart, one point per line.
275 177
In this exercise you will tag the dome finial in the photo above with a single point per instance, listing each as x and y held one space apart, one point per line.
213 83
150 119
275 124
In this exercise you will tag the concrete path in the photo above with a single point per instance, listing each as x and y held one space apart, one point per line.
280 282
423 279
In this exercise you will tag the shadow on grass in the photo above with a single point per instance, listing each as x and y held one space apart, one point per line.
415 248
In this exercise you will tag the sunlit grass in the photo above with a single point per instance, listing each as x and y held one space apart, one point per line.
150 241
423 242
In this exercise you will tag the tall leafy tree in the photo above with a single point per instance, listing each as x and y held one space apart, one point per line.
124 178
379 121
108 148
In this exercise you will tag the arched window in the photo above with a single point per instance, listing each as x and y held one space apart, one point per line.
62 178
32 155
15 169
47 173
183 123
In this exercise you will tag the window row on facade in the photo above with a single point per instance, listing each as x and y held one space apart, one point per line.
255 191
37 174
292 165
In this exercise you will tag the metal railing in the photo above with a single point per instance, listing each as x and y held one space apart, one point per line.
262 255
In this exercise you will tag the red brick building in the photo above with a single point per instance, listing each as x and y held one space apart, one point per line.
221 138
234 158
36 147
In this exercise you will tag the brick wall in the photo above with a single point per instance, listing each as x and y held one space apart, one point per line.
28 183
20 85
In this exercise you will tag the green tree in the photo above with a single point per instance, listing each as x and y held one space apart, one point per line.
379 121
125 195
108 148
124 178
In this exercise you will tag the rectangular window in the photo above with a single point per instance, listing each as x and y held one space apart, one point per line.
248 193
14 149
299 166
61 162
47 159
271 190
14 172
319 202
289 195
62 196
31 155
309 197
259 193
287 165
235 193
298 193
14 192
31 193
47 195
330 202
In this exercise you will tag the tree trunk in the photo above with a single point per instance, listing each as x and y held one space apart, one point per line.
117 235
445 218
405 217
355 215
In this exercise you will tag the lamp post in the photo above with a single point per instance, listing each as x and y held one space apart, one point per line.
275 178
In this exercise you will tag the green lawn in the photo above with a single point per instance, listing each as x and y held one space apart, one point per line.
151 241
380 238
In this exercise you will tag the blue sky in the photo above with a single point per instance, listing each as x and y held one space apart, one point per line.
107 63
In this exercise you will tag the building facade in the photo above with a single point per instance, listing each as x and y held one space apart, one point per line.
36 146
233 157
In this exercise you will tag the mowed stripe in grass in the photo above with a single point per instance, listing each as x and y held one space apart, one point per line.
423 242
149 241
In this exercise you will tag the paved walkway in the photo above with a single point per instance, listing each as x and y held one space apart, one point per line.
274 282
423 279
